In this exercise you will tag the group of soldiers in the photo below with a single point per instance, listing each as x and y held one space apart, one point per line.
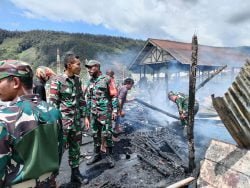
34 133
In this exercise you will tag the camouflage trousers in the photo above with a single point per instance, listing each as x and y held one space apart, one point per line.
102 132
72 139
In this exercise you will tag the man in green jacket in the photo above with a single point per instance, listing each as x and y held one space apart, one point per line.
102 107
30 131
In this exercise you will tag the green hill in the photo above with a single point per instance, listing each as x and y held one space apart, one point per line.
39 47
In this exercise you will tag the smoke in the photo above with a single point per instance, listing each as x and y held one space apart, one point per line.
178 81
118 62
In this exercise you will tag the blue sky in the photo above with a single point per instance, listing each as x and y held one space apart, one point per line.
217 23
12 18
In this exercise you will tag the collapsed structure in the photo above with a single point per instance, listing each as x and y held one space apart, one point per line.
234 107
227 165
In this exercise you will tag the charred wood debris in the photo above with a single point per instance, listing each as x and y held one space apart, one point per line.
154 163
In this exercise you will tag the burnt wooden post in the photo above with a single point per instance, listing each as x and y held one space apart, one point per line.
192 82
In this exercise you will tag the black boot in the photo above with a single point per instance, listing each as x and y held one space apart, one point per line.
77 177
110 158
96 157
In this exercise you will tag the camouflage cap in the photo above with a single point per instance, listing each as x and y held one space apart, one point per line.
91 63
15 68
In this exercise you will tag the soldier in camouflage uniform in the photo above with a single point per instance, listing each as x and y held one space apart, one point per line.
101 108
67 95
181 101
30 131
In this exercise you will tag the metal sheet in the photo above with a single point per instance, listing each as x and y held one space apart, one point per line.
234 107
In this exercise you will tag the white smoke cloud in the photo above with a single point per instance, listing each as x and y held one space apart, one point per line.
217 23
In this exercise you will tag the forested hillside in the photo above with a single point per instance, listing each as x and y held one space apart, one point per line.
39 47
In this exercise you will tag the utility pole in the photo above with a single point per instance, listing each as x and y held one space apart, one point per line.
191 101
58 62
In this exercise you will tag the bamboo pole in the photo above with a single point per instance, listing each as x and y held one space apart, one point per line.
157 109
191 101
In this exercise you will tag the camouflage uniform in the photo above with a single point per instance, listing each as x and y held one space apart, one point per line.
182 104
30 132
100 105
67 95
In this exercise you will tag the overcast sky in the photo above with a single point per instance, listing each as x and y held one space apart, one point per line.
216 22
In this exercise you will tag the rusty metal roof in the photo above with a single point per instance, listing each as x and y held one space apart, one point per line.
207 55
234 107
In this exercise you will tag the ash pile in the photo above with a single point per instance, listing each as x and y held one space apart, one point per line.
143 155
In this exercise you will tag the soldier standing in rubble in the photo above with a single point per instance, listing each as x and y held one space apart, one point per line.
30 131
67 95
181 100
102 108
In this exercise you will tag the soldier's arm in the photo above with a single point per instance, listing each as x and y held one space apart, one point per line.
179 103
115 104
88 101
185 107
82 102
54 93
4 152
182 106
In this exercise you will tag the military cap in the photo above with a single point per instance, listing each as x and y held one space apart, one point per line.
91 63
15 68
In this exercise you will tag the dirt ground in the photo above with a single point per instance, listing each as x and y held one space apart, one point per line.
151 153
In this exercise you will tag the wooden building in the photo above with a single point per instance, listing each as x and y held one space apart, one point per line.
169 60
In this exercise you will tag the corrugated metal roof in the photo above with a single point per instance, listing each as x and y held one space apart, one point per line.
207 55
234 107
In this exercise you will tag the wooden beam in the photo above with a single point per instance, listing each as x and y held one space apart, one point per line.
191 101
